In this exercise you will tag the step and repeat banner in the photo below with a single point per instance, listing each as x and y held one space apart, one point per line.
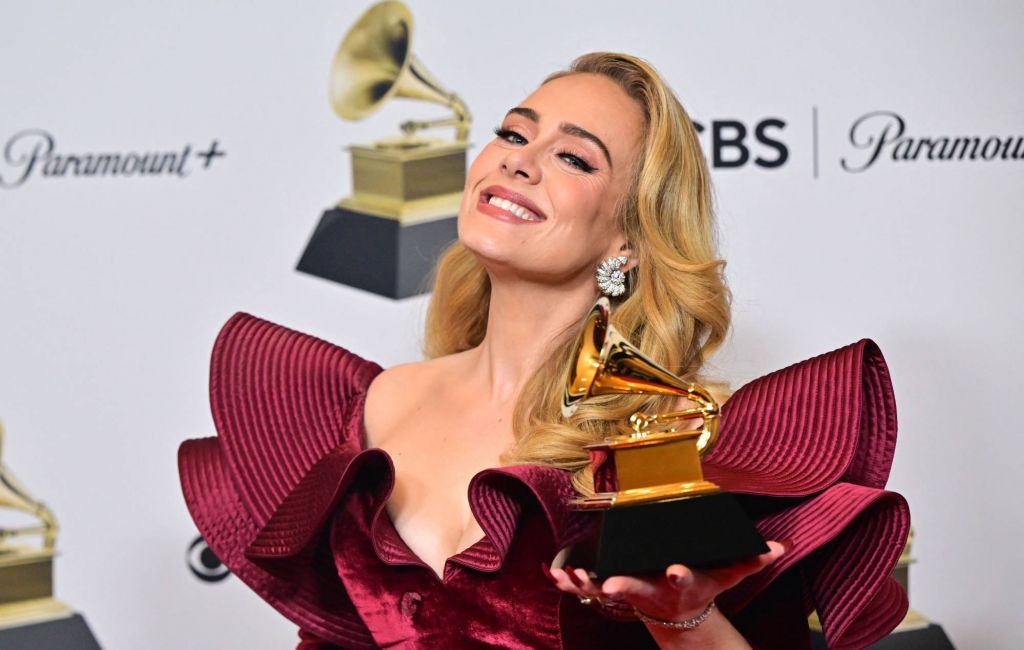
164 165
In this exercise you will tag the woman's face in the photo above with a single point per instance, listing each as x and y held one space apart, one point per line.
540 198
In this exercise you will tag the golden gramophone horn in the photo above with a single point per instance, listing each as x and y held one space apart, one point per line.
604 363
375 62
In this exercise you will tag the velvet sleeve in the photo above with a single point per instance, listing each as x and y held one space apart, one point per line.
309 641
808 448
282 403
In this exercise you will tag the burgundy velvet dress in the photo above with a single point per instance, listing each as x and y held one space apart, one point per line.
290 500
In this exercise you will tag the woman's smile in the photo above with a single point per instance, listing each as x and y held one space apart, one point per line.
550 163
505 205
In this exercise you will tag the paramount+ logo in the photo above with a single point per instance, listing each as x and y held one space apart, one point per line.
883 136
874 139
34 154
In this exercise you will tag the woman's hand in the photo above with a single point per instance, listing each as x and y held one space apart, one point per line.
677 594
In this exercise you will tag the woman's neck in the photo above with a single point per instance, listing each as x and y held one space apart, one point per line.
524 321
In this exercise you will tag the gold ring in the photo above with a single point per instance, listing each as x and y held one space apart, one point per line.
585 600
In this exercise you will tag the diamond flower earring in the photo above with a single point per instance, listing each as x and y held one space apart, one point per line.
610 279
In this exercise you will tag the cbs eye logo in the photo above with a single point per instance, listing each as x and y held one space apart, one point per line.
203 563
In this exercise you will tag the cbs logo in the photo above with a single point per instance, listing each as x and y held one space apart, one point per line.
733 144
203 563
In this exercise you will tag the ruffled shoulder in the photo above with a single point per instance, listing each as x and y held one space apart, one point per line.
803 428
281 401
283 404
810 448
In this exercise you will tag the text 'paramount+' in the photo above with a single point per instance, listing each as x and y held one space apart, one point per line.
33 153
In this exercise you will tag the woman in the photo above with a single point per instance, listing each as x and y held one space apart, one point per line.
339 491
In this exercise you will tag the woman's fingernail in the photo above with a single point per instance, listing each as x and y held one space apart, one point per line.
675 580
575 579
787 544
547 572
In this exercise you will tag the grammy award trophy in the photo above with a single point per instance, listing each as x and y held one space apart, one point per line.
406 189
654 504
30 617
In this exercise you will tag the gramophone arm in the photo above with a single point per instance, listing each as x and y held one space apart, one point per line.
13 495
6 533
420 84
642 423
460 122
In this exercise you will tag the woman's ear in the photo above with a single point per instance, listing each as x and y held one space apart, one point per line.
630 255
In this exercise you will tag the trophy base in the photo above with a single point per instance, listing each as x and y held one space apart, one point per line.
376 254
700 532
69 633
32 611
927 638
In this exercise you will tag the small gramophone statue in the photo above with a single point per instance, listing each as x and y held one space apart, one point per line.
656 508
406 189
30 617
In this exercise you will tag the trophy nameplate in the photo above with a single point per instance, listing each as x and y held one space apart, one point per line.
407 189
655 506
30 616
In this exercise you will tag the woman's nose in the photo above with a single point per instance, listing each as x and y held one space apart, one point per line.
521 163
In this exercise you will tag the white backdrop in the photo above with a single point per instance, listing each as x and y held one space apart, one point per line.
113 288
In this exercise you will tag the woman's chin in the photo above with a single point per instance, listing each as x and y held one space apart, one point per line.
500 259
487 242
493 255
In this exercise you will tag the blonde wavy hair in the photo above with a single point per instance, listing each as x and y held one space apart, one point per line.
677 309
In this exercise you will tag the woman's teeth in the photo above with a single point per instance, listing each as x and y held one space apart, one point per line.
514 208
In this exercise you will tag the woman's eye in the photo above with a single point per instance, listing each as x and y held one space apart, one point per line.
510 136
577 162
572 159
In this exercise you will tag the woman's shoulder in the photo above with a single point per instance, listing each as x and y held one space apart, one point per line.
415 375
396 393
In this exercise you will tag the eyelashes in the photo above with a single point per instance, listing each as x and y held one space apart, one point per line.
509 135
571 158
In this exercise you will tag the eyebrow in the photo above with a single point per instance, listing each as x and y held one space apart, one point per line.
568 129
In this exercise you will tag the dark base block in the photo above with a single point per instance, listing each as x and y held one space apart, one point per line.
376 254
701 532
929 638
70 633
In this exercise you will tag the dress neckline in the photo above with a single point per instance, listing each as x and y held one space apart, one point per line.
388 542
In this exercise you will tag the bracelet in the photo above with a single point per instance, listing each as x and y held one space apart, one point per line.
606 603
688 624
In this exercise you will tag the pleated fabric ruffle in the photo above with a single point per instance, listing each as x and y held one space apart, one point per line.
813 444
809 447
